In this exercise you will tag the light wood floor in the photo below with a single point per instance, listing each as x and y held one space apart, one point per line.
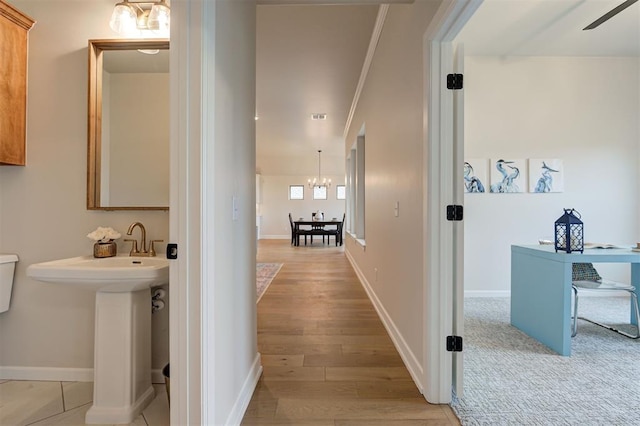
327 358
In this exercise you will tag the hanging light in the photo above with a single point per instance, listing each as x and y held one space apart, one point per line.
319 182
141 18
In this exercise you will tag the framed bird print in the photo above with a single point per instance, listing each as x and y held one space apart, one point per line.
546 175
508 175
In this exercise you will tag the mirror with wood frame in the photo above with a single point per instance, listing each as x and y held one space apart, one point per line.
128 125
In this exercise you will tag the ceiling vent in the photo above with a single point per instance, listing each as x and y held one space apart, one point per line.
318 116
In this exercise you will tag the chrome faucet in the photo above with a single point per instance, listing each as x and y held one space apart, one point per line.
143 242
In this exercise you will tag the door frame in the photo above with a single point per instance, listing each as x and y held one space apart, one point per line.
439 181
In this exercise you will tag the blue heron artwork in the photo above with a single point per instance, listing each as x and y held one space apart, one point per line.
507 176
546 175
475 175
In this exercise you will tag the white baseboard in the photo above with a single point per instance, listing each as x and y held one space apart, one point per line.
275 237
59 374
242 402
47 374
507 293
487 293
408 357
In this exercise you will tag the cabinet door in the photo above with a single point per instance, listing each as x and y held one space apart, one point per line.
14 27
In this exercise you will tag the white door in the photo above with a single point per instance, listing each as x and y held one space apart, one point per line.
458 226
444 162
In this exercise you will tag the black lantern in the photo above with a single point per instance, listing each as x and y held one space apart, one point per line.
569 235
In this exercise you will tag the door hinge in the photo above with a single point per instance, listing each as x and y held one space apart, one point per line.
172 251
454 212
454 81
454 343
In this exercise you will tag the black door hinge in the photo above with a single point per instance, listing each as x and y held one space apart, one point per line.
172 251
454 81
454 343
454 212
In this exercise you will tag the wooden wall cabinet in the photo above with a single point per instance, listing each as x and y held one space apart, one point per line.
14 31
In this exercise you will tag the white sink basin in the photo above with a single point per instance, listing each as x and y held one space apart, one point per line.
116 274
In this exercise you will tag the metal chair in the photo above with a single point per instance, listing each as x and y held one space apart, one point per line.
585 277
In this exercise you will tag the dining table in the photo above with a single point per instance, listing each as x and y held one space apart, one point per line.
313 223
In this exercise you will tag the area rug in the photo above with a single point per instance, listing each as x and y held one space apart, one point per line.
265 273
512 379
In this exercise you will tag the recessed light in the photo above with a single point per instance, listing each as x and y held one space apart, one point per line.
318 116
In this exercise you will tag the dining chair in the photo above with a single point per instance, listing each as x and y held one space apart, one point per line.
317 229
293 230
337 232
340 228
585 277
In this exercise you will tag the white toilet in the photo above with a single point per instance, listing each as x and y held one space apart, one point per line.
7 266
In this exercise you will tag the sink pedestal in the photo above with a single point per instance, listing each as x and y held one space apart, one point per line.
122 357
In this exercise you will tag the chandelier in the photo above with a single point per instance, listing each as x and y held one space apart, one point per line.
141 18
319 183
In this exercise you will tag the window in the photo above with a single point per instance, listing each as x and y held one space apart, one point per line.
355 187
296 192
319 192
341 192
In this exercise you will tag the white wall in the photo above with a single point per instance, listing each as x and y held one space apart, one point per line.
43 205
231 364
391 109
581 110
276 205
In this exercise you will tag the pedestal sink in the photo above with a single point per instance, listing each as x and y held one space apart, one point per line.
122 347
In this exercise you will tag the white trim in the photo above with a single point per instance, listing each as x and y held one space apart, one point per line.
60 374
275 237
329 2
186 59
487 293
156 376
360 242
249 385
438 192
410 360
208 213
47 374
373 44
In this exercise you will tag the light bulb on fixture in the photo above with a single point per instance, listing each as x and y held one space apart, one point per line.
159 18
130 18
124 18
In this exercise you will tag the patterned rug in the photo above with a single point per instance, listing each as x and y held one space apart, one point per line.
265 273
511 379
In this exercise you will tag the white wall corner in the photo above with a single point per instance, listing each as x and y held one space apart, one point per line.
249 385
412 363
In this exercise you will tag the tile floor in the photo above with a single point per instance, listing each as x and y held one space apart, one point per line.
64 403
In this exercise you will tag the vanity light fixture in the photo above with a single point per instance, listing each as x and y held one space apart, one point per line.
130 18
318 183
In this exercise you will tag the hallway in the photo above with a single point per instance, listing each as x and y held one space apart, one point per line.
327 357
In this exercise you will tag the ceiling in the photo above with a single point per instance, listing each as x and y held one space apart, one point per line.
309 59
551 28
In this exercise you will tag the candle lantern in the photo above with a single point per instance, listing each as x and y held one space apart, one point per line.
569 232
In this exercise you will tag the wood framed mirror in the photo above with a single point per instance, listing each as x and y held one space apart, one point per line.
128 125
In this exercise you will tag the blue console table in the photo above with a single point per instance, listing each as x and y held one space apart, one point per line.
541 289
